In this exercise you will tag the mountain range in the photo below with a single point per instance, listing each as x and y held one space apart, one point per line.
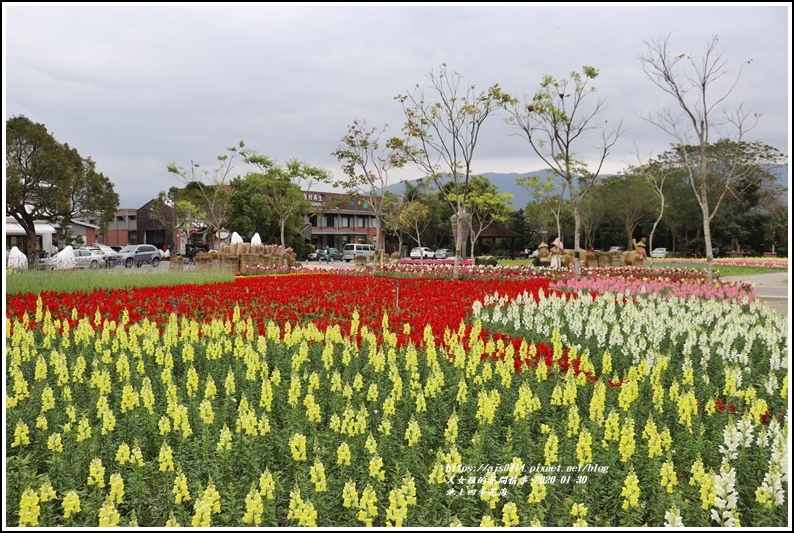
506 183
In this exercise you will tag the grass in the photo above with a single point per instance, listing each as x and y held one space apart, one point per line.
722 268
36 281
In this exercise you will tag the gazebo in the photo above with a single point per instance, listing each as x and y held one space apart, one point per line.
494 231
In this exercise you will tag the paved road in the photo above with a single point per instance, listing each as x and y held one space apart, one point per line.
773 288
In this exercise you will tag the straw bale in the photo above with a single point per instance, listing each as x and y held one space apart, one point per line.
250 260
628 258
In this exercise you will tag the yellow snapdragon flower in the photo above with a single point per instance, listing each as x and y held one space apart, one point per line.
29 509
297 444
253 507
343 455
96 473
510 515
180 489
630 491
70 504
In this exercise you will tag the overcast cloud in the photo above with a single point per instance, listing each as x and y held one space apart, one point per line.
138 86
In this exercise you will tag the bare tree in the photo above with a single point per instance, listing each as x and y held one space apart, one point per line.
211 187
553 122
367 164
441 135
697 88
656 174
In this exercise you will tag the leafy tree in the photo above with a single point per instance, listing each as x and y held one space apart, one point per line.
415 217
47 180
547 192
281 190
392 208
485 204
739 174
591 211
441 135
173 212
210 188
694 85
631 199
555 121
367 164
250 209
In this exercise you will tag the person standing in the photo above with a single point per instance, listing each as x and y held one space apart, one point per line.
556 253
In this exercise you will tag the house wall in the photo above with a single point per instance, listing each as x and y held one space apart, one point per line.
15 236
339 219
123 229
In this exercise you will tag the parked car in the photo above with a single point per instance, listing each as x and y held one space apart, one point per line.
111 256
350 250
443 253
322 254
312 256
139 254
83 258
617 249
659 252
422 253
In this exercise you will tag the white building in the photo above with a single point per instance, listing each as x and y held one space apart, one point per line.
15 236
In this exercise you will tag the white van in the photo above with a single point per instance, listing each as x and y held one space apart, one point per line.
351 250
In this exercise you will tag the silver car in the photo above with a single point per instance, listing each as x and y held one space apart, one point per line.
422 253
83 258
139 254
111 256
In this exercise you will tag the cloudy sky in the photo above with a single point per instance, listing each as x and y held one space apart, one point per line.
138 86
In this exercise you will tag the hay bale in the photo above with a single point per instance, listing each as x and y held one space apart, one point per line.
230 261
231 249
616 258
250 260
602 259
628 258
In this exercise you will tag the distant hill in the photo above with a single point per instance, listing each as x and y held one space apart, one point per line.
507 183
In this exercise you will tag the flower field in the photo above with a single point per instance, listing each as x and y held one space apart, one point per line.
353 400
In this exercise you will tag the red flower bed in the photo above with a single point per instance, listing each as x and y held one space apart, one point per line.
325 300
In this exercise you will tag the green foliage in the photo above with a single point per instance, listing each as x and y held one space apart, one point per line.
36 281
47 180
486 260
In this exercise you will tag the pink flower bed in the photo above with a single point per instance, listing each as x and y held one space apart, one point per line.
681 288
